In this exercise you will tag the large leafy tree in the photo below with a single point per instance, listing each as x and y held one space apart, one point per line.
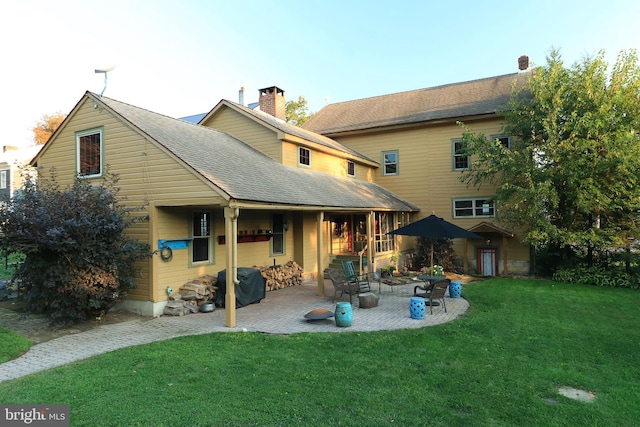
46 126
571 178
297 112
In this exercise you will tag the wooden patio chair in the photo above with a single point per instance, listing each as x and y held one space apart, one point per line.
342 285
437 293
350 272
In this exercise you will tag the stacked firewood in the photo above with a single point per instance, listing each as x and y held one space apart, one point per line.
191 295
282 276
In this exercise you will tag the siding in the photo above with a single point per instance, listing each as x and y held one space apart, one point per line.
245 129
175 223
266 141
426 176
324 162
146 172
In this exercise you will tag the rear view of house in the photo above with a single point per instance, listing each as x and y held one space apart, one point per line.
259 193
242 188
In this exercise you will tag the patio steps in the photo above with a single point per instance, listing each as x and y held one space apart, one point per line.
336 262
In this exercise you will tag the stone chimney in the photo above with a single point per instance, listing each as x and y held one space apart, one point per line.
272 101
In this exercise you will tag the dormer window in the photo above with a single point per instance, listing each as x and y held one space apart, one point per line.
304 156
351 168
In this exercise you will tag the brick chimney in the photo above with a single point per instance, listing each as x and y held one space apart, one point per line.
523 62
272 101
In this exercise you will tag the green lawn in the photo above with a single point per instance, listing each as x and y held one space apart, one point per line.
499 365
12 345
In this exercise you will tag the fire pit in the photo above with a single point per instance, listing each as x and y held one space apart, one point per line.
318 314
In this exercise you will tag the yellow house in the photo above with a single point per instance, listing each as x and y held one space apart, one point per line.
12 162
253 192
416 139
243 188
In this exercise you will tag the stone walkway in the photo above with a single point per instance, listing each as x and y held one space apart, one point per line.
281 312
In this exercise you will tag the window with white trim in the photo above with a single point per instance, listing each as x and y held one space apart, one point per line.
383 222
474 208
460 159
304 156
3 179
390 162
89 153
351 168
201 233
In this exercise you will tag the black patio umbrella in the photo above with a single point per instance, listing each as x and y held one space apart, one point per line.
436 228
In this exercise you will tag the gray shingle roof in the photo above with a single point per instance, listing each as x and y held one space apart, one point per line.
245 174
476 97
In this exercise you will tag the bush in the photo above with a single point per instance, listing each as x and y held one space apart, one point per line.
77 259
597 276
443 254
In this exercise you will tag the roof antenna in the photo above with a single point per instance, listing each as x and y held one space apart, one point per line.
104 71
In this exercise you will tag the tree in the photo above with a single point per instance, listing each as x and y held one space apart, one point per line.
46 126
297 112
443 254
571 176
77 259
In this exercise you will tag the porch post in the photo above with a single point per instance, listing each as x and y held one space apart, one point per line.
231 239
370 243
465 262
505 267
154 291
320 253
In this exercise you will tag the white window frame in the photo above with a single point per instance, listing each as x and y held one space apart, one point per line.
209 238
351 168
456 155
89 132
3 178
384 223
386 163
301 157
481 207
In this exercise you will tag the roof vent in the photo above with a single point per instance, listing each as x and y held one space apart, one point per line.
523 62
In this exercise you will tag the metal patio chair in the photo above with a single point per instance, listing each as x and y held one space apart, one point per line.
352 275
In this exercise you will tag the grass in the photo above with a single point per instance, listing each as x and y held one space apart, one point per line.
499 365
12 345
8 264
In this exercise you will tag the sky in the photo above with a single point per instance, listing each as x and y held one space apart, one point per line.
180 58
